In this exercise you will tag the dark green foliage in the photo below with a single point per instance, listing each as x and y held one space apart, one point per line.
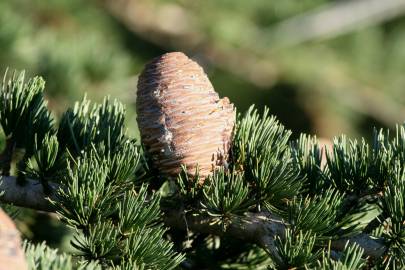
214 252
296 250
20 102
393 201
383 154
47 163
255 134
255 258
41 257
10 210
321 214
123 162
190 189
99 241
393 209
108 192
356 167
350 259
348 165
39 123
117 223
87 195
398 143
116 219
128 266
24 116
225 193
96 124
307 156
137 210
318 204
261 151
148 246
394 257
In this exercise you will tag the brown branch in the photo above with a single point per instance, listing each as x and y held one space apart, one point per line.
334 19
30 195
259 228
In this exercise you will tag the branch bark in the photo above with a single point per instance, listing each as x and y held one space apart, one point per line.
30 195
259 228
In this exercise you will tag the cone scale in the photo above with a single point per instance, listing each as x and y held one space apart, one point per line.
181 118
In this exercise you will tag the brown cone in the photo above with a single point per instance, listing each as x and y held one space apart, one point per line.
11 254
181 118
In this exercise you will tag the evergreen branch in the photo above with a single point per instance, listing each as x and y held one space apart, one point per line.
23 116
259 228
42 257
262 228
296 249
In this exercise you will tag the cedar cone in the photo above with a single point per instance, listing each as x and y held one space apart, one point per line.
181 118
11 254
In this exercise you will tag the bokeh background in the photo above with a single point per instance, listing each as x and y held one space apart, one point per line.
324 67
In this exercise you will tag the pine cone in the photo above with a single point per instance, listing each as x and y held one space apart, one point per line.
11 254
181 119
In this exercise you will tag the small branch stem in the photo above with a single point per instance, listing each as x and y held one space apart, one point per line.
259 228
30 195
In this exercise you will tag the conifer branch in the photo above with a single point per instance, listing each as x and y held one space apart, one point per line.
259 228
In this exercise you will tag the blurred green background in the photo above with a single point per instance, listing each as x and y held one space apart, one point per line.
323 67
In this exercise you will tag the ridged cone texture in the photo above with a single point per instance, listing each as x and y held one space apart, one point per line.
181 118
11 253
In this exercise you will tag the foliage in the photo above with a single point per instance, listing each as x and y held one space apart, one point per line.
41 257
98 124
22 103
307 156
261 151
115 218
225 194
296 250
116 221
350 259
78 45
47 163
321 214
393 209
23 115
108 196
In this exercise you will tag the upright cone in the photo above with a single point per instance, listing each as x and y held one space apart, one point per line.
181 118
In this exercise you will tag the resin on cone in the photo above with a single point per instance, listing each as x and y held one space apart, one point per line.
181 118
